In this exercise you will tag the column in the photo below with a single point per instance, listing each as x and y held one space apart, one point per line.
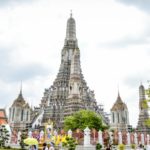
142 139
120 137
135 139
87 137
128 138
147 139
100 138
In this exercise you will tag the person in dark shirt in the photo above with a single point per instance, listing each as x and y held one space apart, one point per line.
33 147
44 146
108 147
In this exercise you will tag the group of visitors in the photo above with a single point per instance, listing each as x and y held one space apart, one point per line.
48 146
45 147
33 147
108 147
139 147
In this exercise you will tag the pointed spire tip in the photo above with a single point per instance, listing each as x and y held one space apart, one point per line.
118 91
71 13
21 87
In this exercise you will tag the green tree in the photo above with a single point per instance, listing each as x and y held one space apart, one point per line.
82 119
4 135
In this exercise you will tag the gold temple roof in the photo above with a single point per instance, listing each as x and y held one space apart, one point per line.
20 102
119 104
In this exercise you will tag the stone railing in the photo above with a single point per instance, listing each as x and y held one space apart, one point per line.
89 138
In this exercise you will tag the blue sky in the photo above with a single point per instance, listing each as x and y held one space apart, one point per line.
113 36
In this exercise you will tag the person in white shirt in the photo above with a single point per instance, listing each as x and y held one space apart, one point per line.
51 146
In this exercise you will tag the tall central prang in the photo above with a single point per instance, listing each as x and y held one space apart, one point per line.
69 92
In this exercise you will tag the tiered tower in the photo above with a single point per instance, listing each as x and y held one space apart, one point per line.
119 115
69 92
143 112
74 101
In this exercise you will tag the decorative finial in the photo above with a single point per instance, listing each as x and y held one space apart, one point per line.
70 13
118 91
21 87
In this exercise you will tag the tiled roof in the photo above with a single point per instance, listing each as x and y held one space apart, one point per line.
20 102
3 117
119 104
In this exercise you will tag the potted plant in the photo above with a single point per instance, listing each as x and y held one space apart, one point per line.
133 146
121 147
70 143
98 146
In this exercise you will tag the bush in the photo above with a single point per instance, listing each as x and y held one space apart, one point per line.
70 143
133 146
4 136
98 146
8 147
121 146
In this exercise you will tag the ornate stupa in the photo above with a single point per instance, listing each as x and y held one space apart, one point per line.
143 112
119 115
69 91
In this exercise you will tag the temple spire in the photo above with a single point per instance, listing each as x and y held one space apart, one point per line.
118 91
119 100
141 93
70 13
21 88
71 29
118 94
20 93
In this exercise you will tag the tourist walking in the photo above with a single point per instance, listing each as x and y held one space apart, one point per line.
108 147
33 147
51 147
141 147
45 146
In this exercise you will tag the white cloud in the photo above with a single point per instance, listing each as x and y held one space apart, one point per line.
143 5
34 33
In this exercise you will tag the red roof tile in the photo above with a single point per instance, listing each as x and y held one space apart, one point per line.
3 117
